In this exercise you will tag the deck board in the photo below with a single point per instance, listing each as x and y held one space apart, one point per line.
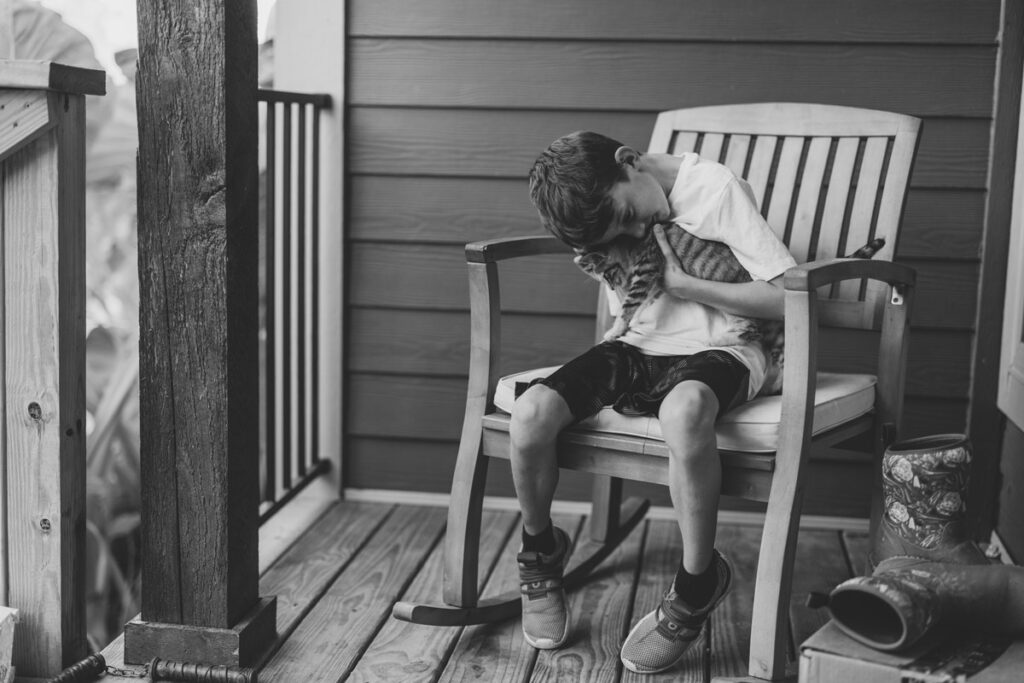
337 583
498 652
302 573
335 633
662 552
730 635
820 566
856 545
405 652
599 612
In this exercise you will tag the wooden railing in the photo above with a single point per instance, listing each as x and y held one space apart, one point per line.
42 261
290 153
42 246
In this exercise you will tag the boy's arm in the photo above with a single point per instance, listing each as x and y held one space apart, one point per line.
756 299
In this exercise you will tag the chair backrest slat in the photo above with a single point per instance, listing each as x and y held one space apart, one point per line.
760 168
834 215
862 216
711 146
828 179
783 185
802 230
736 155
684 142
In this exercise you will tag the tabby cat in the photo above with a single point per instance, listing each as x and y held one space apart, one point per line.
635 273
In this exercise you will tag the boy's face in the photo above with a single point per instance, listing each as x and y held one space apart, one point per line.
640 203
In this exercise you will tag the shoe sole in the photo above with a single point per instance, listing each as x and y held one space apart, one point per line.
633 667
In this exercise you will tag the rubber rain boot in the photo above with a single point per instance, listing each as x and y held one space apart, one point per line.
927 568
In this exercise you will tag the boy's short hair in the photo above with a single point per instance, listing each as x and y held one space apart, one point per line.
570 184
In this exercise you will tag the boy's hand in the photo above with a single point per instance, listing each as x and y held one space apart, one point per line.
757 299
675 280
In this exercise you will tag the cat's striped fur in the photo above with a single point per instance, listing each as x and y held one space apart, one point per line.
634 271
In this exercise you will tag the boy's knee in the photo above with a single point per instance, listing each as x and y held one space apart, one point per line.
537 417
691 407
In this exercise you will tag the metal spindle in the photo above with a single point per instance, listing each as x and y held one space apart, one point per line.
314 305
270 294
286 303
300 325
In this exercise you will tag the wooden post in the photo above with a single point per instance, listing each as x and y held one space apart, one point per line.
198 259
42 241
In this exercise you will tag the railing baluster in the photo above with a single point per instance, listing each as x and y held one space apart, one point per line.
270 311
314 267
300 325
287 409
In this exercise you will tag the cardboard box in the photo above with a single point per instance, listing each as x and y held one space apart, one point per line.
830 656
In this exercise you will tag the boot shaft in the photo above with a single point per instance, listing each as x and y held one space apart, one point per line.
924 488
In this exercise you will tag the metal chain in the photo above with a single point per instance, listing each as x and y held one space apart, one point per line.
128 673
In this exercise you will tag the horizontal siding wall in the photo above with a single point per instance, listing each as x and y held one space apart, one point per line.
450 101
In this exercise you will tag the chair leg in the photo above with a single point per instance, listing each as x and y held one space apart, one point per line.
769 634
606 508
462 535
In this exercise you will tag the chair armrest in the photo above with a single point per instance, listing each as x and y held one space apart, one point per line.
491 251
813 274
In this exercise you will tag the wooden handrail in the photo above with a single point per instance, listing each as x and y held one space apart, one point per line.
42 75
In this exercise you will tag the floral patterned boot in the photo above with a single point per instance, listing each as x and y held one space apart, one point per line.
924 486
927 568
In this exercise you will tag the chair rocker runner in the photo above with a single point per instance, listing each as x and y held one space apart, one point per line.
828 179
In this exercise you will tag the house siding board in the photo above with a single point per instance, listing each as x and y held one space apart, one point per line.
872 21
428 343
462 142
393 275
448 106
523 74
938 224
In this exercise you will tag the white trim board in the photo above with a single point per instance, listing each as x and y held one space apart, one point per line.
582 508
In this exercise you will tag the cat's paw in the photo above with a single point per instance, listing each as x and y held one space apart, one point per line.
616 330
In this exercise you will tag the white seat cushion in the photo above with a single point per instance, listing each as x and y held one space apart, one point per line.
752 427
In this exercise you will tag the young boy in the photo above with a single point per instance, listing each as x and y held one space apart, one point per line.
589 191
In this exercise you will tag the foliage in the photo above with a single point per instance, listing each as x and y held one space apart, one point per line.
113 486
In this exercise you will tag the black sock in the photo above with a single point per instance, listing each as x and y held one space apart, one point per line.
696 589
544 542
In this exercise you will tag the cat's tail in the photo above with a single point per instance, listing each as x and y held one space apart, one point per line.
869 249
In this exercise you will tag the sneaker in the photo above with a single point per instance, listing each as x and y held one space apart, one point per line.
545 615
659 640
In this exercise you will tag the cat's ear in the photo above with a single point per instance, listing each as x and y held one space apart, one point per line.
626 155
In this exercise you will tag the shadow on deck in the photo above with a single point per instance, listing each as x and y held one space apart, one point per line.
337 583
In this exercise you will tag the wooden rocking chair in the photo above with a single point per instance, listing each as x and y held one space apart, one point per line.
828 179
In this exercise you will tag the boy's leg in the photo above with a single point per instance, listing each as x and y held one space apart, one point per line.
687 418
577 389
687 415
537 418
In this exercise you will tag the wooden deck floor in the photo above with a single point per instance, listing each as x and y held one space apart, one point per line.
336 585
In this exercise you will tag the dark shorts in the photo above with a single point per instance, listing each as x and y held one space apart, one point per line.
633 383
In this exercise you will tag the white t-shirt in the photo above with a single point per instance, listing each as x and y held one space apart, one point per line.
709 201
